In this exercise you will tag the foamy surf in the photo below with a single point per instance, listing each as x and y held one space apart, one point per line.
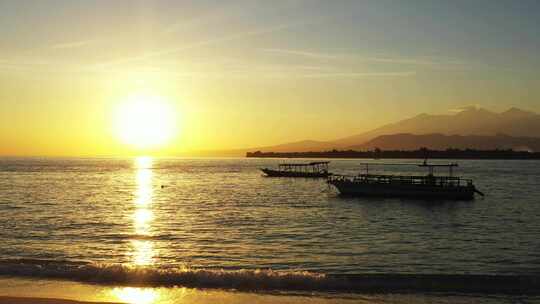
261 280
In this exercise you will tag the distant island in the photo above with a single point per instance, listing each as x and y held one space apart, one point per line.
468 128
411 154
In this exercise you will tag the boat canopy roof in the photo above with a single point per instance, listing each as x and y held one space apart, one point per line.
306 164
439 165
403 164
431 167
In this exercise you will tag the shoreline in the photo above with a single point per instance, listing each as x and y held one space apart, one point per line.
404 154
263 282
38 300
35 291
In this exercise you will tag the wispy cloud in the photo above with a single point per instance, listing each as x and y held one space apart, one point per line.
212 16
207 42
414 61
31 64
432 62
292 72
303 53
72 45
350 57
359 74
353 56
465 108
21 64
320 71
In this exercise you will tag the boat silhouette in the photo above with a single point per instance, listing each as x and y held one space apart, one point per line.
412 186
309 170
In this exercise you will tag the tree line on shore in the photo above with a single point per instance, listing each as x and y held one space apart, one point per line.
418 154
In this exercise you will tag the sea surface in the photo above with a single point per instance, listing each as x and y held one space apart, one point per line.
218 223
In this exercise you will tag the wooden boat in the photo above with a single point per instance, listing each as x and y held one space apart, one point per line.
310 170
412 186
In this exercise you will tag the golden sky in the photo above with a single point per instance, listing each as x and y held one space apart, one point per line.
252 73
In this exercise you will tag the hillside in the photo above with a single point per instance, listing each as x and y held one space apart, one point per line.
469 121
442 142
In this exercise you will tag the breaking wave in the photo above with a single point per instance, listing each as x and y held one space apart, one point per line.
255 280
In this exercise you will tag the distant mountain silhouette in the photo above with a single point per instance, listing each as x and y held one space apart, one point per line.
466 121
301 146
443 142
469 127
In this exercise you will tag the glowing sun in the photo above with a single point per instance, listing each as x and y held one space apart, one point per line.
144 121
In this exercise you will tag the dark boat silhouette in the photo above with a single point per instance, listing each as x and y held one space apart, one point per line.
412 186
309 170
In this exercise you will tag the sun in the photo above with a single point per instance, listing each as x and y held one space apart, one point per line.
144 121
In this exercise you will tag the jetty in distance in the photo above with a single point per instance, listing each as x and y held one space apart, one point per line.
404 154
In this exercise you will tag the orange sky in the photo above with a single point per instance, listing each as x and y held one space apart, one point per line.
248 73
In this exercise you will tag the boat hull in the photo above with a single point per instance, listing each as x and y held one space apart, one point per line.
278 173
352 188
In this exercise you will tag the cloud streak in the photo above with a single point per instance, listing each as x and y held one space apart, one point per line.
21 64
360 74
302 53
291 73
432 62
352 58
72 45
208 42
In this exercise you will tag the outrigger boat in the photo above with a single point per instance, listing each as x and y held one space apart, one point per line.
313 170
413 186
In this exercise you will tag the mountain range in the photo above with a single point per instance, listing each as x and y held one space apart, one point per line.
467 121
469 127
443 142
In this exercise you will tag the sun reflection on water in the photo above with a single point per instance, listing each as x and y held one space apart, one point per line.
141 220
143 254
144 162
143 250
143 194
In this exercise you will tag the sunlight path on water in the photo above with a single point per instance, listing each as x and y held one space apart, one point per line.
143 250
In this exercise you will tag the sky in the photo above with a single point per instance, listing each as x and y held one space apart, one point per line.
240 74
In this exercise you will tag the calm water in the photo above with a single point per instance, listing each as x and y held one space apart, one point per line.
213 214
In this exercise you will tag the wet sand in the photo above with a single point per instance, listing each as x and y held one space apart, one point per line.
22 300
37 291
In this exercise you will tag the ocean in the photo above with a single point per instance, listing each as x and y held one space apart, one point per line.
218 225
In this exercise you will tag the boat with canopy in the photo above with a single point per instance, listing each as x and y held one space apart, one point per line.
413 186
311 170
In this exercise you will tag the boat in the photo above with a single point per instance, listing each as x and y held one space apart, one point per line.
310 170
411 186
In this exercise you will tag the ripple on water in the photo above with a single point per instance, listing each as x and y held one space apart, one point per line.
221 213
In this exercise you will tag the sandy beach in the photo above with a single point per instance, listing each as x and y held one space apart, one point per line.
22 300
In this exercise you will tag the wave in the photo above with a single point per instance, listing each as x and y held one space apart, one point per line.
262 280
